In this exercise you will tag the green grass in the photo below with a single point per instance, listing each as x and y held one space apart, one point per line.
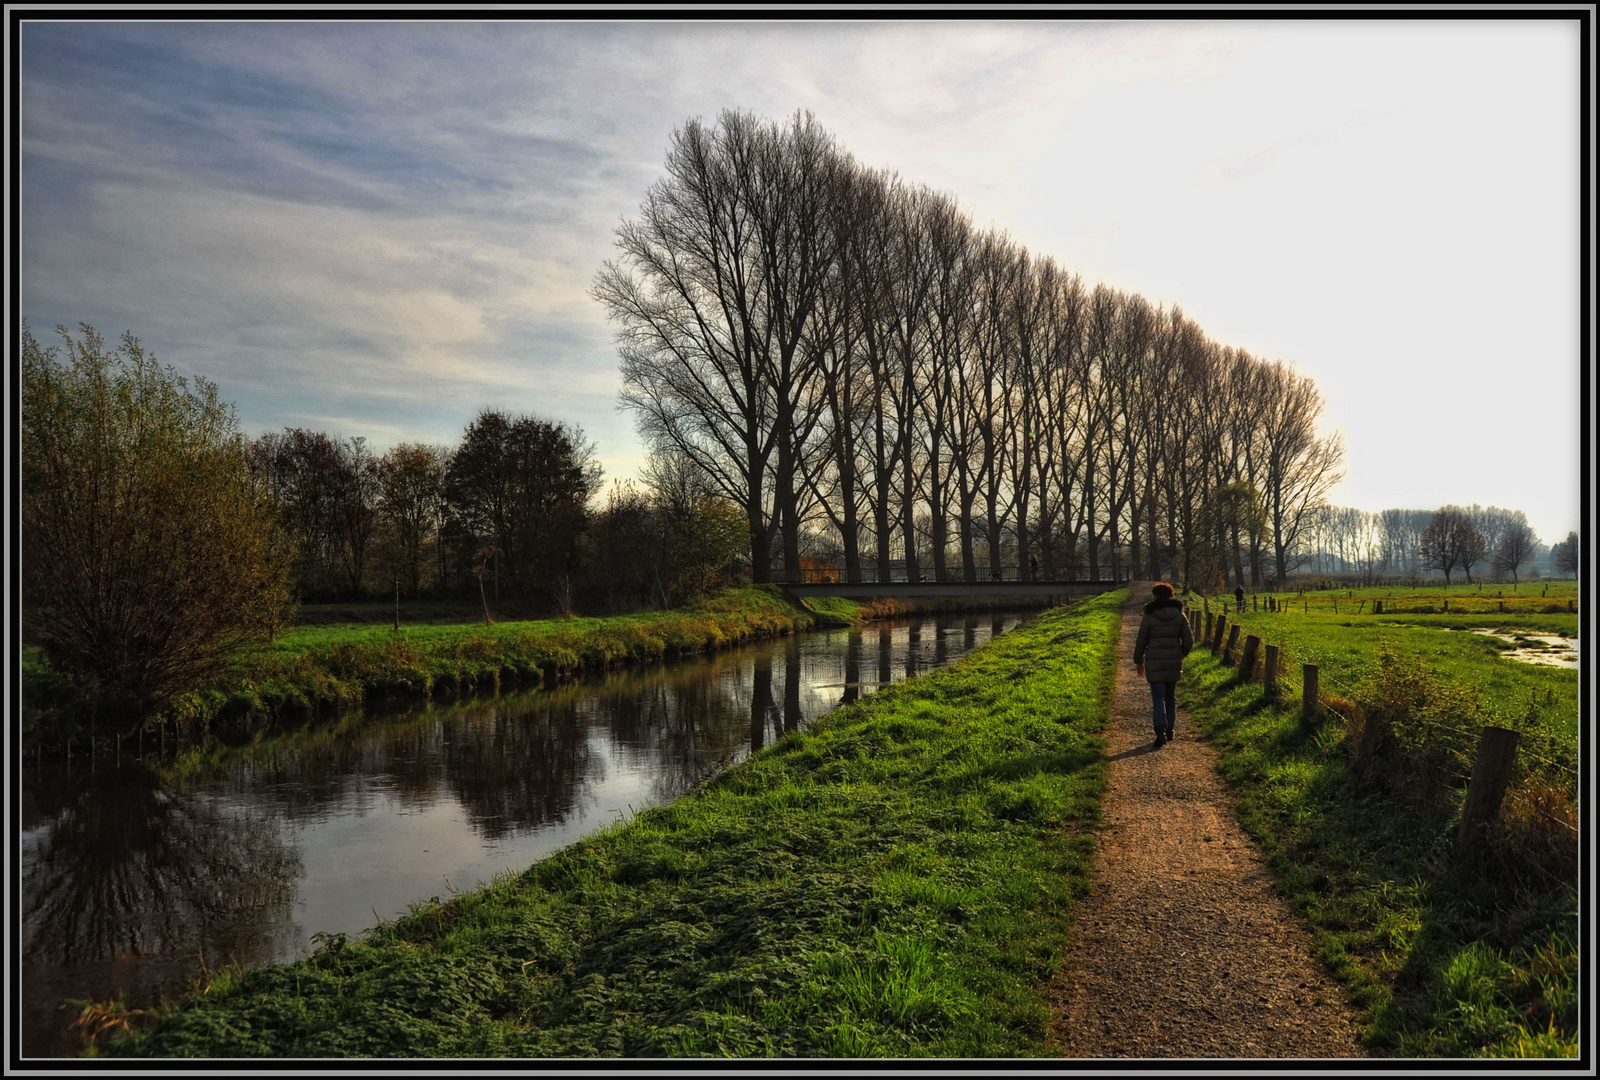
898 880
1528 604
333 666
1447 959
834 610
1540 702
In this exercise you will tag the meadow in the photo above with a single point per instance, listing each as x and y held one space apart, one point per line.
897 880
1450 956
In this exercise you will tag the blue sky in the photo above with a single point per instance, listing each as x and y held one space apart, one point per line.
378 228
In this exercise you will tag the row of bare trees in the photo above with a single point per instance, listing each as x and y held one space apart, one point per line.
846 356
1410 543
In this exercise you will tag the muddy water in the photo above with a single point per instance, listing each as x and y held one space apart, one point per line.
139 877
1547 650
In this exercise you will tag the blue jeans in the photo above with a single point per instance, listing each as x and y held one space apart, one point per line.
1164 702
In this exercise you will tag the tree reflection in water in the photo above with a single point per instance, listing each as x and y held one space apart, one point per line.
852 668
130 866
518 767
121 871
761 704
792 716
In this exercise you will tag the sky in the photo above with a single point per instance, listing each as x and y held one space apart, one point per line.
379 228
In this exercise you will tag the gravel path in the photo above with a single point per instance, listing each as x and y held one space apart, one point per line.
1183 949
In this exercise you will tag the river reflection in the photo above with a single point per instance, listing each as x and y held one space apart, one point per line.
136 880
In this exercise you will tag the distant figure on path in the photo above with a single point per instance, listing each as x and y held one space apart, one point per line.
1033 568
1238 596
1164 640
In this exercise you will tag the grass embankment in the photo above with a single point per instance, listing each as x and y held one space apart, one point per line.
321 666
898 880
1448 959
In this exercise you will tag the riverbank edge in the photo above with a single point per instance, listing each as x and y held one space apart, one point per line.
899 879
350 666
341 668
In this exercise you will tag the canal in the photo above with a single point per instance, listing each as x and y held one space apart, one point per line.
138 877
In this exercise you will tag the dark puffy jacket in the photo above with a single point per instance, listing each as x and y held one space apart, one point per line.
1164 640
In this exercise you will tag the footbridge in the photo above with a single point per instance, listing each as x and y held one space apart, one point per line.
1017 584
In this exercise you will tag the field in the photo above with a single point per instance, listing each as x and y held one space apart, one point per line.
898 880
1530 599
1451 956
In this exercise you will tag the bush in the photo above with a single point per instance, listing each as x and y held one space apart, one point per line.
150 556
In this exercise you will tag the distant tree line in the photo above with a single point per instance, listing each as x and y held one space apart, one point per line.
510 513
1416 543
874 380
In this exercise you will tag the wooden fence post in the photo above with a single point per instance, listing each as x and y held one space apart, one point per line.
1233 639
1310 702
1269 675
1207 635
1497 754
1374 730
1216 637
1247 663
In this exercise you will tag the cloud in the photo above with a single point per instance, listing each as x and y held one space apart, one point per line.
400 221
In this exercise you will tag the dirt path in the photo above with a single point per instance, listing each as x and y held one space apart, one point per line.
1183 949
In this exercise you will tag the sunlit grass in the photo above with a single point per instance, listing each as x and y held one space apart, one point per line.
1447 960
897 880
328 668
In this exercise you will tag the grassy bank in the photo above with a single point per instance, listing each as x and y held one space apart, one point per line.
325 667
897 880
1449 958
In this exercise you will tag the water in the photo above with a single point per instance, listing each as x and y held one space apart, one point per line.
1546 650
137 881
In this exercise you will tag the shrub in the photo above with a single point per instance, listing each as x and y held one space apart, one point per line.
151 557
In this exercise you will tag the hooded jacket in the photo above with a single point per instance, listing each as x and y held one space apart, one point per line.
1164 640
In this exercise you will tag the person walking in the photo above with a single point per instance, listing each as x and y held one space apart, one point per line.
1164 640
1238 596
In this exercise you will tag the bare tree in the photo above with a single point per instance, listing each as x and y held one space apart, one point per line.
1451 541
948 312
1402 538
1301 468
1567 556
694 332
1516 548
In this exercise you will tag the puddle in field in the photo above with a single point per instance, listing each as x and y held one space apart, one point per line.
1551 650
